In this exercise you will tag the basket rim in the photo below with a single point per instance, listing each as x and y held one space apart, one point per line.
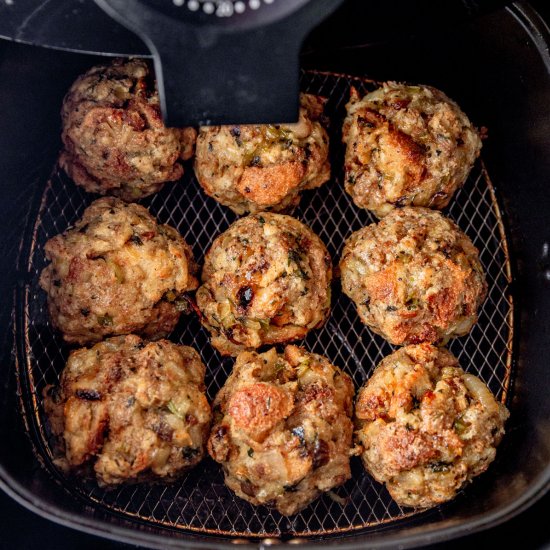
429 534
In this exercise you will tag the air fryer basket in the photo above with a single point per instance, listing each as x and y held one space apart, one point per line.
199 507
201 502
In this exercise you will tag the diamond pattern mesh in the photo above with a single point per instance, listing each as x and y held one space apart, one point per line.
200 501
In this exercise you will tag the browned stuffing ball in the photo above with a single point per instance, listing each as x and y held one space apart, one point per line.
282 428
414 277
251 168
133 410
115 141
266 280
116 272
406 145
426 426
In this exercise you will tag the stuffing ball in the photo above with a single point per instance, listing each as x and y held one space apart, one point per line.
282 429
264 167
426 426
414 277
115 141
266 280
406 145
133 410
116 272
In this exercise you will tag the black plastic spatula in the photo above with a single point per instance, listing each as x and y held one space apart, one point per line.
224 62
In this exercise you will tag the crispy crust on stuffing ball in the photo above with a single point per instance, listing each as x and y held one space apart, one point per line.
117 272
134 410
115 141
414 277
406 145
282 428
426 427
251 168
266 280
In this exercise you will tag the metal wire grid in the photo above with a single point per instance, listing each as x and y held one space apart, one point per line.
200 501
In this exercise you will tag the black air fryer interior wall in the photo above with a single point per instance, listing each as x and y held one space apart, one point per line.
494 70
32 84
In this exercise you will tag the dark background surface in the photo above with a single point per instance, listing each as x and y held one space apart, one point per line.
21 529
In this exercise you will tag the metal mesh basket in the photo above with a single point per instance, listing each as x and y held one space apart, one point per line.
200 502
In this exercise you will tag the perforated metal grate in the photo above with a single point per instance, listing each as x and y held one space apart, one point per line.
200 501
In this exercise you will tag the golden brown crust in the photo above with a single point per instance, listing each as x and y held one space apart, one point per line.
406 145
115 141
258 408
270 184
116 272
133 410
282 429
414 277
251 168
426 427
266 280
